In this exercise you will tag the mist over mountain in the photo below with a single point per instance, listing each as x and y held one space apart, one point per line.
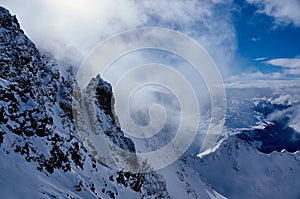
40 148
43 114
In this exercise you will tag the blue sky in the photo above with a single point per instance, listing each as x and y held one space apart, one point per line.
256 38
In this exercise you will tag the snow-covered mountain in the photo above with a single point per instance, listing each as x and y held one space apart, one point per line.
42 155
267 119
237 170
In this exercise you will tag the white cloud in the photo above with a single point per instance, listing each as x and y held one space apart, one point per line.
292 71
254 76
80 25
285 62
61 25
285 99
284 91
260 58
285 12
255 39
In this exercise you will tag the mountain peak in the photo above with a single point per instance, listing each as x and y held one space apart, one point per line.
38 135
7 20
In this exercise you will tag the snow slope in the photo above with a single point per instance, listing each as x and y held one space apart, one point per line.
42 154
237 170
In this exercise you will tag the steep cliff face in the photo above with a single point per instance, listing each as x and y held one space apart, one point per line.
39 141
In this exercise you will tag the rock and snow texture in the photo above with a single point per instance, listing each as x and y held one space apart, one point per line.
43 156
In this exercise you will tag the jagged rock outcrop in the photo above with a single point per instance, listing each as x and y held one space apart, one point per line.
38 134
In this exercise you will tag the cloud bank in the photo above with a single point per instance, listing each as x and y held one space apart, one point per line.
284 12
290 66
285 62
78 26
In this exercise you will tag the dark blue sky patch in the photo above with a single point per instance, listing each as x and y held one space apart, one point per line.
258 36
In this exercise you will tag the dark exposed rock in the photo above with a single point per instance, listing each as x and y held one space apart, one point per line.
36 117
